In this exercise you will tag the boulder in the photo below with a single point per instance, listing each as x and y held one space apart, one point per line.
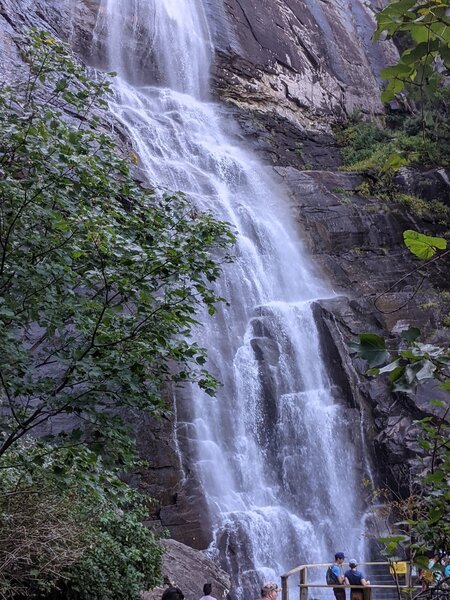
189 570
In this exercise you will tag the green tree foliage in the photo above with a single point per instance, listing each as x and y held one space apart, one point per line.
100 277
420 76
417 131
123 559
427 22
70 528
360 140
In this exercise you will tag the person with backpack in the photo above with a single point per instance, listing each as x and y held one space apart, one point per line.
335 575
355 577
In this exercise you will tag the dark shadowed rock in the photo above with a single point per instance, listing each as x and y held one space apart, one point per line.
281 142
433 184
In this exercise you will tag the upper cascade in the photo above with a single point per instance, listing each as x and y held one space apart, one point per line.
169 38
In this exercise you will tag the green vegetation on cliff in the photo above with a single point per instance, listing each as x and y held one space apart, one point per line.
416 130
418 135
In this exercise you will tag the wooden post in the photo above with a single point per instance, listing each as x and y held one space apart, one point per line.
408 575
284 587
303 580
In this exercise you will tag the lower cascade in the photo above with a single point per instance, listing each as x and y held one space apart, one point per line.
275 453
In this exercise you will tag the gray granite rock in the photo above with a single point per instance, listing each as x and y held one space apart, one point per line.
189 570
305 60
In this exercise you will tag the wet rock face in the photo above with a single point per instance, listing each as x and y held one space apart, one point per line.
179 503
70 20
305 60
357 243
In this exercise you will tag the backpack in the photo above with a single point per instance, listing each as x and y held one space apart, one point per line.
331 577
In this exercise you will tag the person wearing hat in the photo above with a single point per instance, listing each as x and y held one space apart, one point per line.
269 590
355 577
337 572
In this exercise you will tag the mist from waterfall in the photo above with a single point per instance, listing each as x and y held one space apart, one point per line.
272 450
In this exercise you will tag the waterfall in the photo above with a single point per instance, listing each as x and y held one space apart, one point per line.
272 451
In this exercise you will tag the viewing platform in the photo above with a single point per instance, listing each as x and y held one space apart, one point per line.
386 579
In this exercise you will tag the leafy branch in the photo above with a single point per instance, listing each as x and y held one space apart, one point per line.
100 277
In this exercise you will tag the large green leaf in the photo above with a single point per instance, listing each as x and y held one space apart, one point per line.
423 246
393 87
372 348
419 33
411 334
394 161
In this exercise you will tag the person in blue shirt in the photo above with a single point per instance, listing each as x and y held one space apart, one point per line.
355 577
338 571
447 568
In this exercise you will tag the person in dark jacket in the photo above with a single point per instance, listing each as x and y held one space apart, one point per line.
172 593
355 577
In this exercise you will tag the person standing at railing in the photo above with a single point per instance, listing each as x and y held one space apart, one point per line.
355 577
335 575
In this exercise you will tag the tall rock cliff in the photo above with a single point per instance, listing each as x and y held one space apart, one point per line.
305 60
287 69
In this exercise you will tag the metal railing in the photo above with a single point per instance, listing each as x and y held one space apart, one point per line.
378 587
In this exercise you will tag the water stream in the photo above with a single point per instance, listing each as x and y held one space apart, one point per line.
272 450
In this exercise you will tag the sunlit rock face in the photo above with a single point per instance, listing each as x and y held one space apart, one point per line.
305 60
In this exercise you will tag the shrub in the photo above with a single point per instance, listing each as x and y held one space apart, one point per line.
434 209
360 141
124 558
70 528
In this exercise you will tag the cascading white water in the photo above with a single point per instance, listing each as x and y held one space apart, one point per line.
272 453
